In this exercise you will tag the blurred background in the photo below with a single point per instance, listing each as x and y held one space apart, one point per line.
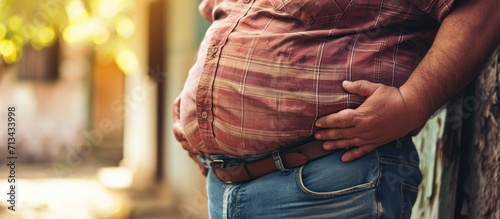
92 83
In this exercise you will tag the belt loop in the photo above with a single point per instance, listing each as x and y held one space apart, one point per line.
206 162
279 163
401 141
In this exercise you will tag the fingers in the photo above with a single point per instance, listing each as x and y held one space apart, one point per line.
342 119
356 148
178 131
343 143
356 145
360 128
176 108
335 134
177 126
185 145
362 87
357 152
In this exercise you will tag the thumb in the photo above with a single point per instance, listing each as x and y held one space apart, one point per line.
362 87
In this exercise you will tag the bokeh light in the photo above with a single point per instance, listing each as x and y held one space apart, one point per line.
108 8
127 60
76 11
125 27
6 47
104 25
73 34
15 23
46 35
3 31
100 36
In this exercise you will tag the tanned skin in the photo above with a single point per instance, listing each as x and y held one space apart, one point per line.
464 42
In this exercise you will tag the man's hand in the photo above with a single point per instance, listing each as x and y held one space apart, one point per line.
464 42
177 126
382 118
181 137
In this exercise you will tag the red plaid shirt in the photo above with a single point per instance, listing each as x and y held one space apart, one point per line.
267 69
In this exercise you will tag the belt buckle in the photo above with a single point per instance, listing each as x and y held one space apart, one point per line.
218 162
230 174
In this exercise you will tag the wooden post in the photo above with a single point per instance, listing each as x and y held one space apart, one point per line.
460 153
481 190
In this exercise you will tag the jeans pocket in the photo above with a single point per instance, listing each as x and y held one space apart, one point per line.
399 165
330 177
408 198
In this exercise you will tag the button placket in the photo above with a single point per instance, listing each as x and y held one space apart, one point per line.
213 50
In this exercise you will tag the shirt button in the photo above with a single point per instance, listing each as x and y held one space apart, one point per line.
204 114
215 49
246 1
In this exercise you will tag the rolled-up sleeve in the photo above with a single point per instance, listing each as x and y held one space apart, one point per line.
438 9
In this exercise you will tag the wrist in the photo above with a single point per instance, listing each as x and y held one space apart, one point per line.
418 106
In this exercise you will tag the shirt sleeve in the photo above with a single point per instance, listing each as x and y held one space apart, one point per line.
436 8
205 8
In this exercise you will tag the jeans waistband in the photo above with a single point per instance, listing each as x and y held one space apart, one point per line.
207 158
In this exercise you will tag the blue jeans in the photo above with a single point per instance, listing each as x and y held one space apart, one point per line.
381 184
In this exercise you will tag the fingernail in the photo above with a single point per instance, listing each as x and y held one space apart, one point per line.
344 159
346 83
318 125
327 146
317 136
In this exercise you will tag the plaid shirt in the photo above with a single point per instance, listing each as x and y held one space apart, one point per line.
267 69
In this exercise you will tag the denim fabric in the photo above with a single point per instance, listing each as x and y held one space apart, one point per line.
381 184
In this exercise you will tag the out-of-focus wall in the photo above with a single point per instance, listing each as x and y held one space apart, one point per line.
51 116
139 133
180 171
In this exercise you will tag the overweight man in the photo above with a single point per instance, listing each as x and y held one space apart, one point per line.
305 109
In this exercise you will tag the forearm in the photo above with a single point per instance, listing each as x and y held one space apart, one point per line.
464 42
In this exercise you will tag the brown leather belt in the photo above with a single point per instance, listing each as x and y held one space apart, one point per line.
289 157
